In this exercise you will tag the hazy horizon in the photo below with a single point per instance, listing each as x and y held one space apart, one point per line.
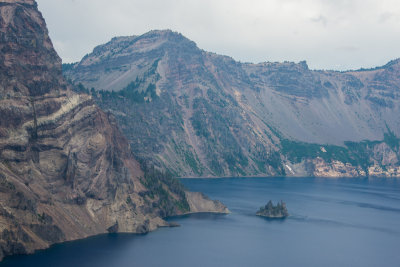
328 34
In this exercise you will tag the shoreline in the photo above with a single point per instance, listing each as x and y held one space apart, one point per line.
168 225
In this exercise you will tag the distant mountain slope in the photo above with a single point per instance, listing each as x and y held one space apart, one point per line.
201 114
66 172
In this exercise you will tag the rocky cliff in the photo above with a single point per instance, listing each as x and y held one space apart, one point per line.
66 172
203 114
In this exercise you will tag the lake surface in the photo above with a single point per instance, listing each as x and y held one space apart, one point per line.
333 222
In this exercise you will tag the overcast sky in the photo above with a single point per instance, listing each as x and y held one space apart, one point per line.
328 34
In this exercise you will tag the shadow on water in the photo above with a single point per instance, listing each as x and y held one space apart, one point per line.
199 216
370 206
273 220
85 252
334 223
352 203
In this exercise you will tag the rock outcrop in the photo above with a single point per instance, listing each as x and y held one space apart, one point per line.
198 202
66 172
202 114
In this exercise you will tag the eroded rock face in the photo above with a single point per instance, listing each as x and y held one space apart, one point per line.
66 172
197 113
199 202
171 90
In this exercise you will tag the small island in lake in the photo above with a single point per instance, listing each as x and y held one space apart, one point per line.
271 211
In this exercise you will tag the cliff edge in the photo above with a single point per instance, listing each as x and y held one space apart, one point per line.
66 172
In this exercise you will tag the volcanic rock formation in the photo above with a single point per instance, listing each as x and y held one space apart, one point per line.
197 113
66 172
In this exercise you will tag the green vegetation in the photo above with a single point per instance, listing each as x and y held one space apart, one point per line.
213 120
169 191
355 153
189 158
264 157
81 89
129 200
5 185
391 139
67 66
360 153
381 101
199 125
132 93
271 211
274 160
297 151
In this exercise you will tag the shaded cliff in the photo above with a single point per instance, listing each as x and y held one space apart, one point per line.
197 113
66 172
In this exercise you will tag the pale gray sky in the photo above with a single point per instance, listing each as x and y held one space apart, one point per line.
329 34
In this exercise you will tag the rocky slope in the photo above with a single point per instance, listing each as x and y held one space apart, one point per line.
202 114
65 170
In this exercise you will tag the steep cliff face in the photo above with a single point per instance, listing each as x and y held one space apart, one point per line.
202 114
65 170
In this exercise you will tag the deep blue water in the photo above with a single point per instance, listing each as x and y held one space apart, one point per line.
333 222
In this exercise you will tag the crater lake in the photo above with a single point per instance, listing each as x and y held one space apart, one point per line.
332 222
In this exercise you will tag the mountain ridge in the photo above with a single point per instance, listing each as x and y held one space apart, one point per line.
208 115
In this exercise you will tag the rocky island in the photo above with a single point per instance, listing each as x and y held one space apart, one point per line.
271 211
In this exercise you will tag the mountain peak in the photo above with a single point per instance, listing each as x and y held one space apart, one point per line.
161 37
30 63
167 33
119 54
127 44
26 2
